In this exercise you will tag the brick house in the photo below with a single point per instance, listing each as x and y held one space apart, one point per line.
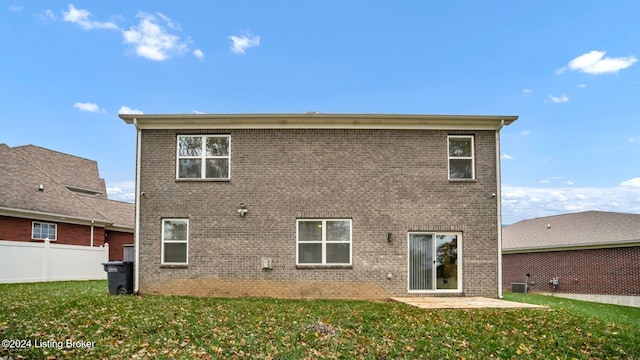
318 205
590 253
49 194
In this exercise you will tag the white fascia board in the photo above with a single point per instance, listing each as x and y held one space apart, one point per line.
45 216
120 228
611 245
318 121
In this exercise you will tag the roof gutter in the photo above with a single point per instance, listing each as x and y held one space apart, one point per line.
120 228
499 207
611 245
47 216
136 264
317 121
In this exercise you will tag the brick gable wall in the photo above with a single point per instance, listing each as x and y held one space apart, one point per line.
386 181
595 271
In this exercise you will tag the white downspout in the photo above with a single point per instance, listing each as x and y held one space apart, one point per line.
136 264
499 207
92 222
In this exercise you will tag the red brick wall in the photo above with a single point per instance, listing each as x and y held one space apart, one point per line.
19 229
596 271
386 181
15 229
116 240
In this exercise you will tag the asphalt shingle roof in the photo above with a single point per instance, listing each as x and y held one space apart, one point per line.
577 230
20 181
121 214
68 170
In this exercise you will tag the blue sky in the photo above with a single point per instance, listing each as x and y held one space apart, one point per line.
569 69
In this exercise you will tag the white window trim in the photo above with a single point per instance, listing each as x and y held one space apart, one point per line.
203 157
162 262
324 242
33 225
459 264
472 157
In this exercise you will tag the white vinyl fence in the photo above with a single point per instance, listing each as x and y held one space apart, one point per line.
34 262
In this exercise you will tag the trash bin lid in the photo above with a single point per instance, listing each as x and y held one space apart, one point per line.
114 263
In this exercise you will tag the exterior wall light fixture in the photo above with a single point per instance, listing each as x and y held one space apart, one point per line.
242 211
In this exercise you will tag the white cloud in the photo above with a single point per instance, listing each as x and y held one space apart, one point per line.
633 140
15 8
81 17
550 179
635 182
152 40
582 86
519 203
239 44
526 92
154 37
89 107
595 63
507 157
169 22
526 132
558 99
198 112
198 53
48 15
122 191
569 182
558 196
127 110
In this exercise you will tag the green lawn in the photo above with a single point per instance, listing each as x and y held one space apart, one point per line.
62 313
623 315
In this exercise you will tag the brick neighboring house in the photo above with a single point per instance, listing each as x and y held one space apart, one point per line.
590 253
49 194
316 205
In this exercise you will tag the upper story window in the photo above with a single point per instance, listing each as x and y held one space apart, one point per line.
324 242
43 231
461 157
203 157
175 241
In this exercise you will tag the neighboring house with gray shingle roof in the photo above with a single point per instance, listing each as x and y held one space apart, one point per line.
592 252
48 194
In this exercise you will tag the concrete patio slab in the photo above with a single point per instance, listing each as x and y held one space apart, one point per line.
463 303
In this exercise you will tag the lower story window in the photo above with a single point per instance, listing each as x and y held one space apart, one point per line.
175 241
43 231
323 242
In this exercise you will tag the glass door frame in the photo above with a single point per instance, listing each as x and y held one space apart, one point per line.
459 258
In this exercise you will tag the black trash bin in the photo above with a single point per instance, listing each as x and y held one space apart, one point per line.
119 276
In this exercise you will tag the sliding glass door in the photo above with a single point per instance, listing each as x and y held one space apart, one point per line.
433 261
